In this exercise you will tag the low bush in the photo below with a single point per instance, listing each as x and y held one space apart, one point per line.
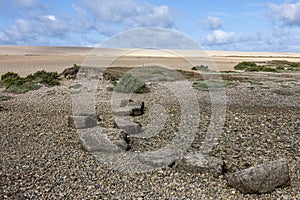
270 66
245 65
130 84
46 78
283 92
201 68
14 83
253 67
213 85
284 65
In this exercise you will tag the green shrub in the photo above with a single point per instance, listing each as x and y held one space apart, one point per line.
269 69
245 65
212 85
23 88
47 78
253 67
200 68
283 92
11 78
14 83
285 65
9 75
130 84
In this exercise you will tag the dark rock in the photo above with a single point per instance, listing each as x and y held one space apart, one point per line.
109 76
137 108
125 102
128 126
70 73
83 121
196 162
160 158
263 178
104 139
132 109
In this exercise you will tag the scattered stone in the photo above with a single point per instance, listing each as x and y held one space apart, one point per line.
110 77
160 158
195 162
137 108
128 126
103 139
263 178
132 109
81 122
122 111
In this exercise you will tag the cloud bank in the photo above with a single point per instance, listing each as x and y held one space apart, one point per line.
97 19
287 14
90 22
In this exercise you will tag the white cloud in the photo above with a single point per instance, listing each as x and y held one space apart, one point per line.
285 14
212 23
32 22
221 37
129 13
33 30
50 17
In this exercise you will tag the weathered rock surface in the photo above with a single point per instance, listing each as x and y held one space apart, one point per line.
84 121
128 126
131 109
161 157
125 102
195 162
103 139
263 178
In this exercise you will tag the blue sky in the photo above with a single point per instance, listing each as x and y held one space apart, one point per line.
244 25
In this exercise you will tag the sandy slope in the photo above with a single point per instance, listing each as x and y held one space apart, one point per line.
28 59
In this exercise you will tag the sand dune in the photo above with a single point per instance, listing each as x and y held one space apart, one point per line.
28 59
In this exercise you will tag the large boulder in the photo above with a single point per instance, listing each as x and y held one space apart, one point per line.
83 121
107 140
263 178
195 162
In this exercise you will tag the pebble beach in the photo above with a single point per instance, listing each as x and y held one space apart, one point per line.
42 157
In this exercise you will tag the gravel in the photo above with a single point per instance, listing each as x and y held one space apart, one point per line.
42 158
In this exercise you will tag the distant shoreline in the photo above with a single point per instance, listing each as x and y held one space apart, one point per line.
28 59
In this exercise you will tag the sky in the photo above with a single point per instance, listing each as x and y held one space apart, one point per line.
233 25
